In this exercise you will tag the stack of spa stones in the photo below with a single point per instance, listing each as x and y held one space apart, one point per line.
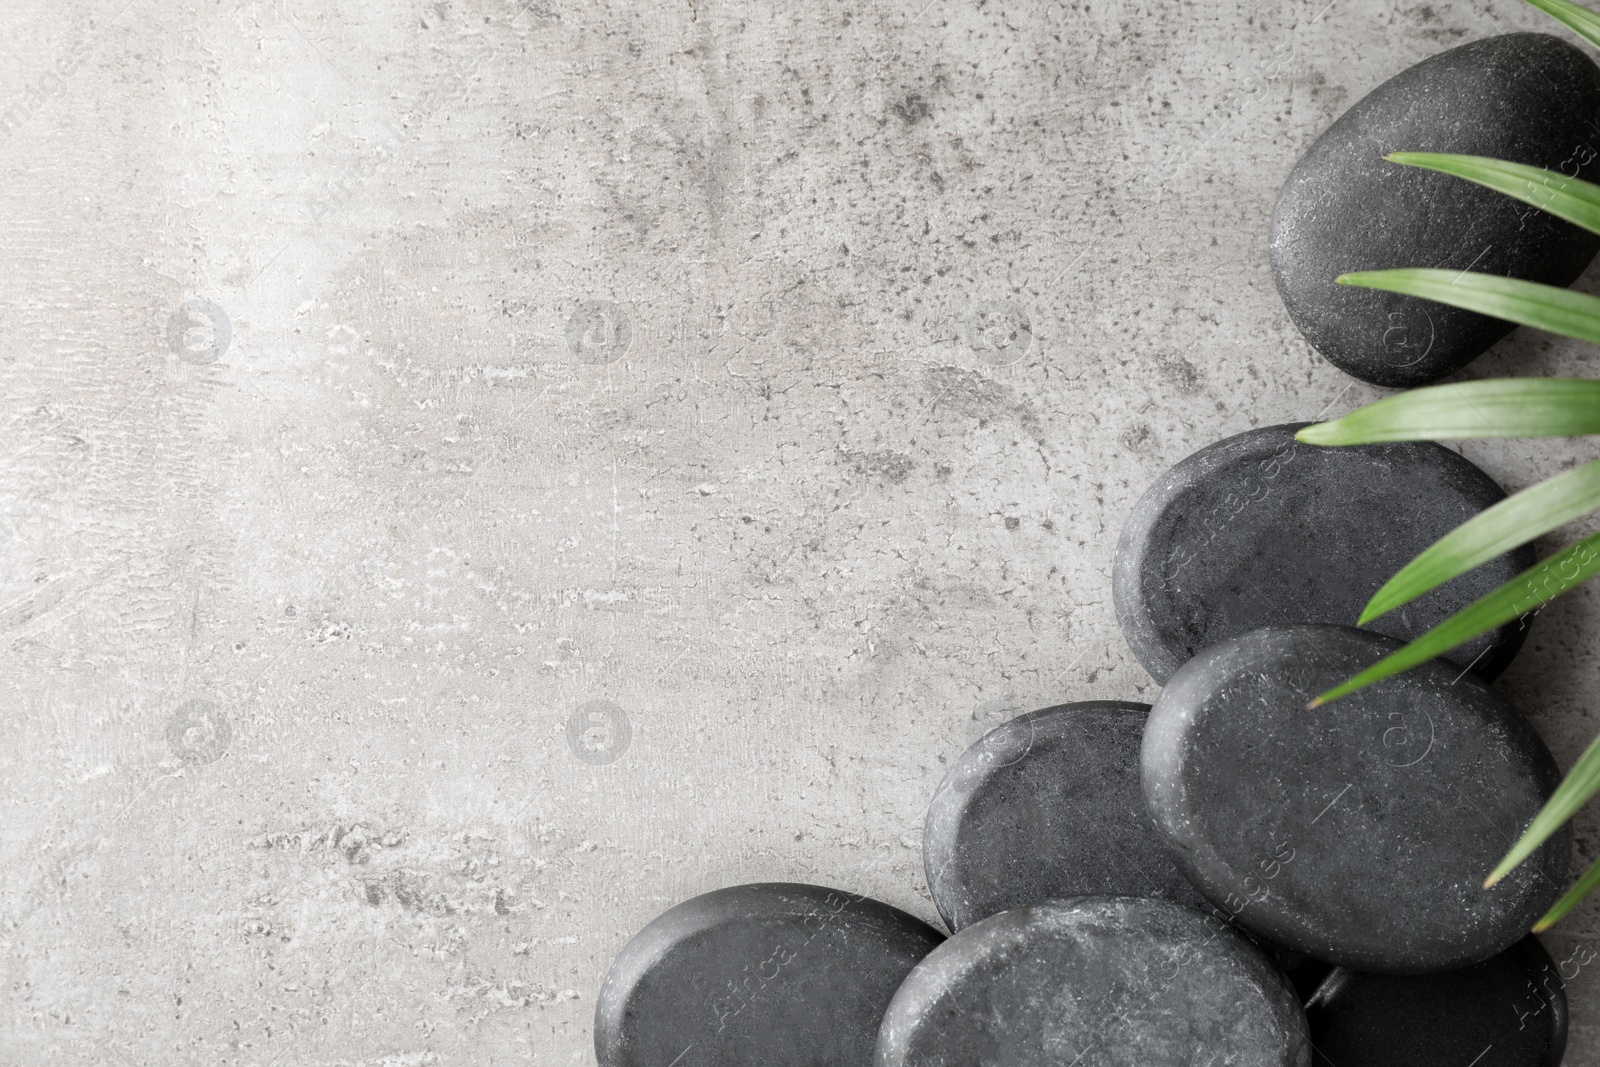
1227 877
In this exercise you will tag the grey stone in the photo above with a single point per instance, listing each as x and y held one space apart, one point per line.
773 973
1508 1011
1096 982
1525 97
1359 832
1047 805
1258 530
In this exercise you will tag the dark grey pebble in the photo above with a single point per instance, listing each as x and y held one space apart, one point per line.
776 974
1508 1011
1359 832
1525 97
1258 529
1047 805
1107 981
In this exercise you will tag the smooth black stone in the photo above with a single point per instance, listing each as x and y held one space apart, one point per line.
1101 981
1259 530
1045 806
1049 806
1508 1011
774 974
1524 97
1358 832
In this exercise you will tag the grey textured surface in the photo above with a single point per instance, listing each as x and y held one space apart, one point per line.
398 534
780 974
1345 208
1358 832
1261 530
1047 806
1100 981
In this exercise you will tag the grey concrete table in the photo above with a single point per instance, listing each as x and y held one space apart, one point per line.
478 473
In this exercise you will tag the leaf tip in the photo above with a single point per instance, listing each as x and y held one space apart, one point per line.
1315 704
1318 433
1543 924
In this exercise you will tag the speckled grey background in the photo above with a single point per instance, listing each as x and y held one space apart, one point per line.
476 473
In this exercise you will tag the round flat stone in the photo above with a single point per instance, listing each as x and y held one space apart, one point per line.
774 973
1359 832
1107 981
1047 805
1508 1011
1346 208
1260 530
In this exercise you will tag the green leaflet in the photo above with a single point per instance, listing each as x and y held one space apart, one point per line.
1566 198
1535 586
1509 524
1492 407
1582 888
1544 307
1579 785
1580 20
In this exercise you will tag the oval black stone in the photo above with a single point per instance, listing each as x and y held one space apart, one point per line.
1359 832
1045 806
773 973
1524 97
1259 530
1508 1011
1109 981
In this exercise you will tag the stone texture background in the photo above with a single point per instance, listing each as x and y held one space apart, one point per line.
779 376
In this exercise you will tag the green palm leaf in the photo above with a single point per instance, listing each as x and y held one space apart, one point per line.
1511 523
1582 888
1561 572
1497 409
1491 407
1580 784
1566 198
1544 307
1580 20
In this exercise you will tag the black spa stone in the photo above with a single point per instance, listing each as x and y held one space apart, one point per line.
1047 805
1345 208
776 974
1102 981
1258 529
1508 1011
1358 832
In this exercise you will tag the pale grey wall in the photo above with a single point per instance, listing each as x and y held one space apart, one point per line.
808 531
